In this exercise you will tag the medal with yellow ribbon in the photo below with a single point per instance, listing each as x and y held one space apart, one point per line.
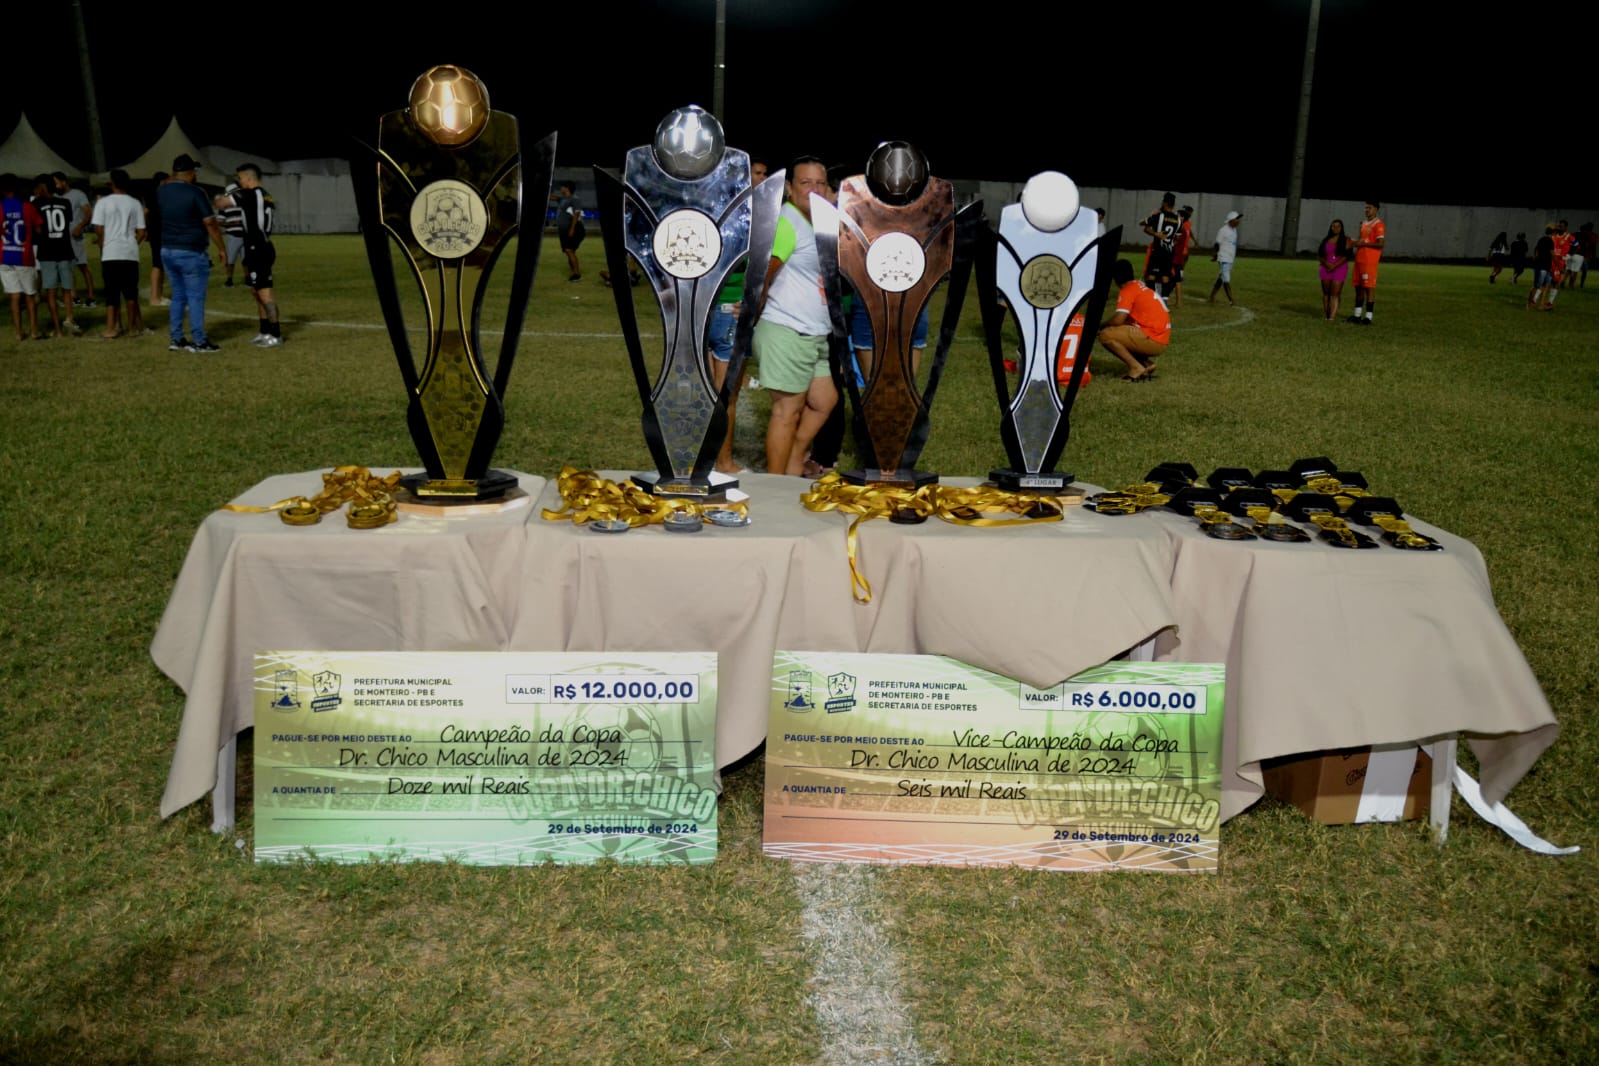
1130 500
588 498
962 507
371 500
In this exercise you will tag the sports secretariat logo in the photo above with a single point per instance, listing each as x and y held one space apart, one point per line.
326 683
840 693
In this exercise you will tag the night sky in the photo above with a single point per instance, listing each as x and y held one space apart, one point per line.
1413 102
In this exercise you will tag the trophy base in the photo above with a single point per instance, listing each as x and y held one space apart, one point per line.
406 503
714 488
901 479
1052 483
449 491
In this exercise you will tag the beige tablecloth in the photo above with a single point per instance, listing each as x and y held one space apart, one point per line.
1038 603
1337 648
251 583
1324 648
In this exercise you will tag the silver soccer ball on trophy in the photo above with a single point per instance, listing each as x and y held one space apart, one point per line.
689 142
896 173
1050 201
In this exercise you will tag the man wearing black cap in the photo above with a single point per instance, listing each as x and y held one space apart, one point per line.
188 224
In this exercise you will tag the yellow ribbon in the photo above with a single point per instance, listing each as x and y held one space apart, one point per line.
587 497
962 507
1400 531
371 499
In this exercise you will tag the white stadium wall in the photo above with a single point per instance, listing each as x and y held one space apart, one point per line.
312 203
1415 231
325 203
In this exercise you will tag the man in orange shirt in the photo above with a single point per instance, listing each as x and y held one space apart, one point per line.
1141 327
1563 239
1368 251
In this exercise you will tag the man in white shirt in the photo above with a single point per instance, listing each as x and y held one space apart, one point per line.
1226 251
119 220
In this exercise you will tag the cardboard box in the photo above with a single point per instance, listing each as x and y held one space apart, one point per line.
1330 785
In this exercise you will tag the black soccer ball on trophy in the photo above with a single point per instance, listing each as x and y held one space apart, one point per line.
896 172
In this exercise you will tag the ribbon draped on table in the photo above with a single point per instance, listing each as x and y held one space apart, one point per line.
371 500
587 497
962 507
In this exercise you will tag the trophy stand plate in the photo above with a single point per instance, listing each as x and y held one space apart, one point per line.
1054 483
715 488
467 507
455 492
901 479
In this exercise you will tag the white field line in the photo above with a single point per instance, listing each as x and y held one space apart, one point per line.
1245 317
855 986
378 325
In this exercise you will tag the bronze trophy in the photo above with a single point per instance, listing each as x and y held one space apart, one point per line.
685 211
898 236
1050 267
446 186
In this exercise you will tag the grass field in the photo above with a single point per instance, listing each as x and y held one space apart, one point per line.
124 938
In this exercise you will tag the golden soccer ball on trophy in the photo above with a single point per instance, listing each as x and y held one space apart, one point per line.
450 105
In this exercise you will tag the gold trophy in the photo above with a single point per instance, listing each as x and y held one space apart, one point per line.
446 187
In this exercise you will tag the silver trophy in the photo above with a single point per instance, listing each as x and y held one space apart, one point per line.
1047 264
685 211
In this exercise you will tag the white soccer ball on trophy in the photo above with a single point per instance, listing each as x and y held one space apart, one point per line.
689 143
1050 201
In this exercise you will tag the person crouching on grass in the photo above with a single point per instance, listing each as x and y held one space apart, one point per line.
1141 327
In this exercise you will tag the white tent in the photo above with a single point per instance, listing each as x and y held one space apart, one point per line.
159 156
25 154
227 159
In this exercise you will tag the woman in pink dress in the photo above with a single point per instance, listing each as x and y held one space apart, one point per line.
1333 255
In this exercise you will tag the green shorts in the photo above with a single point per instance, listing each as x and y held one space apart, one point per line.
790 361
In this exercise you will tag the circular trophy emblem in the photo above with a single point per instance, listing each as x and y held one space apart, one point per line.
687 244
895 261
1046 281
448 219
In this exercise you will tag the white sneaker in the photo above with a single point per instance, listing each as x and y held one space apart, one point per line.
258 338
268 341
72 327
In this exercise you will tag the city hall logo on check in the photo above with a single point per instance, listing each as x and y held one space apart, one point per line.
326 683
840 693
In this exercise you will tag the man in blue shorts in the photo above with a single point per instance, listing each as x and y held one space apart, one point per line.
55 256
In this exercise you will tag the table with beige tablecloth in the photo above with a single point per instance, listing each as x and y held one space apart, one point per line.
1038 602
1336 648
251 583
1324 648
